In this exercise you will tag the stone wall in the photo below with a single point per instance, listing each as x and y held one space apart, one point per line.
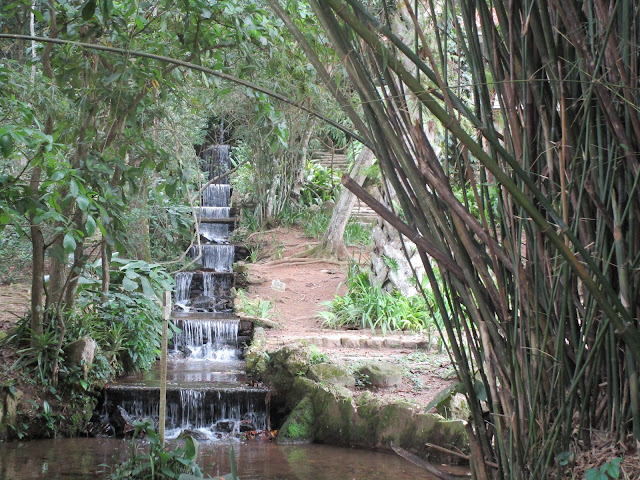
322 409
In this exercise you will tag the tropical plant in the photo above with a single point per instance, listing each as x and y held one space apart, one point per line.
158 462
366 305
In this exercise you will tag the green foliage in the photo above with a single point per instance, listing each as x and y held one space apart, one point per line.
609 470
127 328
254 308
316 356
314 224
158 463
366 305
40 355
319 184
358 234
126 275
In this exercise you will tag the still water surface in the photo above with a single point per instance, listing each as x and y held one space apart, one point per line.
80 458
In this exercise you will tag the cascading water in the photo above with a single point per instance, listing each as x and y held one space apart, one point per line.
206 386
183 286
214 340
214 256
216 195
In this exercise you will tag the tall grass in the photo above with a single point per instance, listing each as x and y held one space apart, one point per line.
367 305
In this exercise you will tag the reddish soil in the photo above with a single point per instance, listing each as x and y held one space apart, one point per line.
309 283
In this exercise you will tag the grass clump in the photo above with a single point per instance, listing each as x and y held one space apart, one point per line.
254 308
367 305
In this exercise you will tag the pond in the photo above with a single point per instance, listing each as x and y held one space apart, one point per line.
80 458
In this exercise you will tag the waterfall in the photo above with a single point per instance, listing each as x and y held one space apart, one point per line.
183 286
216 286
212 212
216 195
218 162
216 257
213 340
206 392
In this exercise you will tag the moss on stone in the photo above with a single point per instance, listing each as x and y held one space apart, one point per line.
332 374
256 356
299 425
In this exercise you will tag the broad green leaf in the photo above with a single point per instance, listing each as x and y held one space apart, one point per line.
191 447
593 474
83 202
69 243
129 285
146 287
73 188
89 9
57 175
6 145
444 395
90 225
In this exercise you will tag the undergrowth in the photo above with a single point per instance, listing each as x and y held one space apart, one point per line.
367 305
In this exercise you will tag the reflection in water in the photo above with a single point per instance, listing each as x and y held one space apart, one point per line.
80 458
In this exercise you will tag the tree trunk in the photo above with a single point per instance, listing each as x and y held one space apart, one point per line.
106 275
333 241
37 272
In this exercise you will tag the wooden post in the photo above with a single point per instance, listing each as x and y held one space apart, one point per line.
162 411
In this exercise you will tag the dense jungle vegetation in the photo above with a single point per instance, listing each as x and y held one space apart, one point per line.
507 138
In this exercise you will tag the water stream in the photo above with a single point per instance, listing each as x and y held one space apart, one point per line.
207 392
80 458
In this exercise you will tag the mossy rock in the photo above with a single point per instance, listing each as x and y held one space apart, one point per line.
78 417
290 361
299 426
300 388
335 415
381 374
256 356
396 423
331 374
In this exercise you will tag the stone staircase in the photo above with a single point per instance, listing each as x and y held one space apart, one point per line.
334 161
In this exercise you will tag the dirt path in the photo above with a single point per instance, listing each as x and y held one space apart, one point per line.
309 283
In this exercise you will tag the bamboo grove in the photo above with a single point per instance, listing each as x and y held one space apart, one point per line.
528 219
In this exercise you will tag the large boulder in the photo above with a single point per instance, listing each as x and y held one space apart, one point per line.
299 425
332 374
81 353
381 374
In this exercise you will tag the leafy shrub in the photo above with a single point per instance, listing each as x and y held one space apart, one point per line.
253 308
158 462
319 184
358 234
368 306
314 224
126 327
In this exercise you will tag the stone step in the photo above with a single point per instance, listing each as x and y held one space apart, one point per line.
410 342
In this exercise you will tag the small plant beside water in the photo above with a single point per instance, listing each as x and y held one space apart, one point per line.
158 462
254 308
316 356
367 305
